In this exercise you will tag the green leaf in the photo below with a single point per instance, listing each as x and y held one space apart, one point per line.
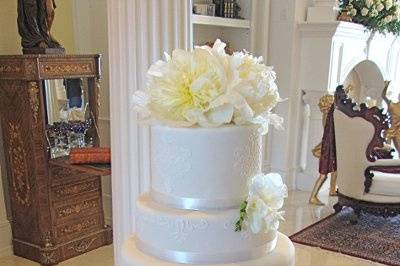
239 223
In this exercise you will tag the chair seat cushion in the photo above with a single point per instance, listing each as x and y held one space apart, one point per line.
385 184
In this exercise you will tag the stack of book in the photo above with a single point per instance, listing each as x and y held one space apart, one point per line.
227 8
219 8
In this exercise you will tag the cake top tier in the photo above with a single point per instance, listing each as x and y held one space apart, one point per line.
203 168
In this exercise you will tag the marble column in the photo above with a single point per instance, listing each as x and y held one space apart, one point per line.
312 131
138 33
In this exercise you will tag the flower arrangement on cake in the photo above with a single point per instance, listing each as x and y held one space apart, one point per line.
261 211
381 16
207 87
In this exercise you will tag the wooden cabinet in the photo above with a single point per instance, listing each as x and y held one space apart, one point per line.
57 209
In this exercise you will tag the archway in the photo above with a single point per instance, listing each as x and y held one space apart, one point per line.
366 83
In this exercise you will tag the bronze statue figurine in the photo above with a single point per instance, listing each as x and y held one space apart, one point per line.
35 19
325 104
393 133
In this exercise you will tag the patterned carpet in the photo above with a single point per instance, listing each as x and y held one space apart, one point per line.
373 238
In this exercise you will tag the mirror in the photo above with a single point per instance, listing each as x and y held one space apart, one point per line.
67 115
66 100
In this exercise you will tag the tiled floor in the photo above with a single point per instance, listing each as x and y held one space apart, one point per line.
299 214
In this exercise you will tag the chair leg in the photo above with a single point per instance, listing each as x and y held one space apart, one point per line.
355 216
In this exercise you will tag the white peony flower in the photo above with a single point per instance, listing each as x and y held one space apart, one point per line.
364 12
257 88
256 212
266 195
397 12
353 12
265 120
208 87
369 3
373 13
270 188
389 4
181 88
380 7
388 19
260 217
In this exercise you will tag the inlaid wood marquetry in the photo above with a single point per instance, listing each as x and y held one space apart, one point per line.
76 208
71 69
34 99
74 189
83 245
17 155
10 68
78 227
48 258
56 207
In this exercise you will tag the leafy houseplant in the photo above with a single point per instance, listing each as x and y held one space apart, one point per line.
381 16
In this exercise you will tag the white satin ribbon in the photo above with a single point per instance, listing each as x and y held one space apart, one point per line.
195 204
206 258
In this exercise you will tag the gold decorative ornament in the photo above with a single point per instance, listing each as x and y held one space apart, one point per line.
76 208
393 133
63 69
83 246
47 239
98 86
30 68
325 104
79 227
75 189
48 258
34 99
17 155
10 68
344 16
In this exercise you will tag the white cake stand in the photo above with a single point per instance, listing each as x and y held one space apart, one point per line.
282 255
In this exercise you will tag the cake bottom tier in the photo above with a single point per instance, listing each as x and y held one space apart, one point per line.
189 236
282 255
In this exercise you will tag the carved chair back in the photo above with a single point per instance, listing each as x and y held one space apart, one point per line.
359 135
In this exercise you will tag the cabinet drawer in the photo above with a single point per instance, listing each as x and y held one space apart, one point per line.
76 209
63 175
66 192
78 227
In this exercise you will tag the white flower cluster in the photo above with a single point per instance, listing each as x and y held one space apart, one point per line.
209 88
265 199
372 8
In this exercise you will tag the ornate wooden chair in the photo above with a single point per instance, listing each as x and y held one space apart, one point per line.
368 177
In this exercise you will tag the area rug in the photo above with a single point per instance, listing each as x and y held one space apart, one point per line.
373 238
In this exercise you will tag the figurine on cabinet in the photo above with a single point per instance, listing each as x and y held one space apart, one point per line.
35 19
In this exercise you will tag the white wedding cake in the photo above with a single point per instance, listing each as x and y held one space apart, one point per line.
199 180
208 202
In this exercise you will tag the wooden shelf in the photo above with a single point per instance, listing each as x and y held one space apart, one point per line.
220 22
95 169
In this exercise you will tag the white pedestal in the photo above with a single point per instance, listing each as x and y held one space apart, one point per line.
323 11
321 14
282 255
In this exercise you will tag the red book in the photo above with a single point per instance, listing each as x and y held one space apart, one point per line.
90 155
